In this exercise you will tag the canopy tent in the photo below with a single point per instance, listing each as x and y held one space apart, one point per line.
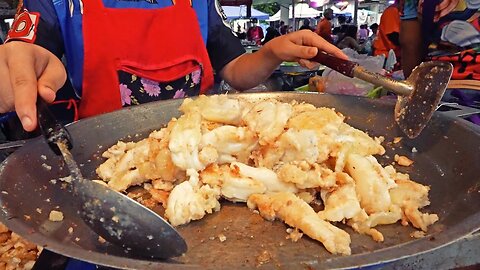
302 10
347 12
280 2
367 17
233 13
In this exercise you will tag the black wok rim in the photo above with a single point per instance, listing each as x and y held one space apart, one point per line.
377 257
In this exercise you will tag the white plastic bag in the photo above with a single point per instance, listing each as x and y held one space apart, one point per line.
336 83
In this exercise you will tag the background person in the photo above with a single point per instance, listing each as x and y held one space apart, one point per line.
363 33
271 34
324 27
339 31
255 33
388 36
374 30
369 43
283 28
342 23
306 25
349 40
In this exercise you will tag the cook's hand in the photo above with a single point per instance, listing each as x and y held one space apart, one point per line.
25 70
300 46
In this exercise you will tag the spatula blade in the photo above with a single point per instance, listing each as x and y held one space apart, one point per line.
128 224
429 81
121 220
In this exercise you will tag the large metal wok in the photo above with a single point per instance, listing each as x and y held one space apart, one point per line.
448 160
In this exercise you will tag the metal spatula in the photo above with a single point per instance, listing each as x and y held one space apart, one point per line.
419 94
112 215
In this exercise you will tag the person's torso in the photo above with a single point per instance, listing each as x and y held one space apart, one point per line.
141 51
324 29
389 19
363 33
256 32
70 15
325 26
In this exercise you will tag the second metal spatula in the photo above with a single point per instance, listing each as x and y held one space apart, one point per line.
117 218
419 94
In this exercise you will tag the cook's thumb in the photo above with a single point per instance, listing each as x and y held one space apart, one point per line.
52 79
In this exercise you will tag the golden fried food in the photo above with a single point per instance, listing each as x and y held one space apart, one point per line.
297 213
278 158
15 252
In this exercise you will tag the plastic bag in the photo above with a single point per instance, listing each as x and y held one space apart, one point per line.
336 83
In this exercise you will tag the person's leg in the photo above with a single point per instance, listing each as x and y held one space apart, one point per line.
411 44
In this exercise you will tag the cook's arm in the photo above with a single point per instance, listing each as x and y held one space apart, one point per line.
249 70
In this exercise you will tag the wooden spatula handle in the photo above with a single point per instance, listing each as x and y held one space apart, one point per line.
343 66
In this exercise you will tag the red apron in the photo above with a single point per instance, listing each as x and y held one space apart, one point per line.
157 44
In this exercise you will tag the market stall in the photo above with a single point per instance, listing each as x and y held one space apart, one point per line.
302 10
240 12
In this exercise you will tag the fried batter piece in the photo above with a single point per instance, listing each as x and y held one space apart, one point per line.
411 196
353 141
364 223
214 108
372 183
191 200
231 143
293 145
184 143
268 120
305 175
160 166
267 177
325 122
341 202
15 252
121 169
297 213
238 181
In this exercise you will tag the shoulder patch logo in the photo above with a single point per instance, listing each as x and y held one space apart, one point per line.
220 11
148 1
24 27
223 16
